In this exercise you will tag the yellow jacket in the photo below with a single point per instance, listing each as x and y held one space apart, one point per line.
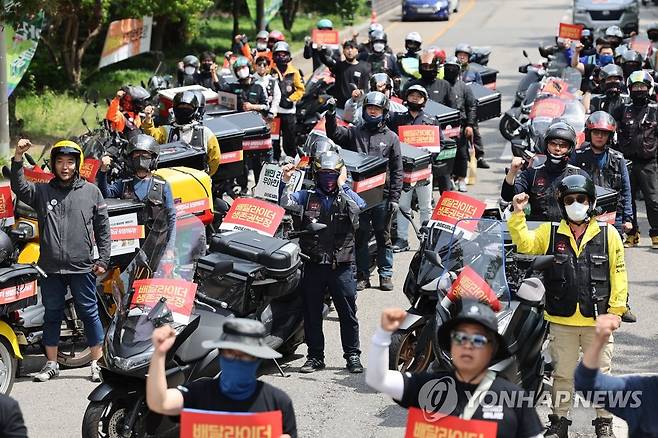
537 241
161 134
292 88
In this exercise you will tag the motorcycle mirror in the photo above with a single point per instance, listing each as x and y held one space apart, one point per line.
433 258
518 147
221 205
160 313
523 69
525 54
30 160
5 172
222 268
531 290
542 262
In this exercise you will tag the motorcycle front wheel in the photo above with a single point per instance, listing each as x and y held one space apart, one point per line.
106 419
8 365
507 126
403 354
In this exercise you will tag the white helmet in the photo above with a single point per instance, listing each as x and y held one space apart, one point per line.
414 36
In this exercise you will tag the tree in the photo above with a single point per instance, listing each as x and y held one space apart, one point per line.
289 10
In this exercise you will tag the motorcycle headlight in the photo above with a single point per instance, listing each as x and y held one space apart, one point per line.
28 229
134 362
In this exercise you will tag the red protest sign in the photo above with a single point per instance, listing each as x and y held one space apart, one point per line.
325 37
6 205
275 128
425 136
231 157
420 427
213 424
253 214
418 175
469 284
549 107
127 232
19 292
179 294
454 206
570 31
37 176
90 168
198 206
257 144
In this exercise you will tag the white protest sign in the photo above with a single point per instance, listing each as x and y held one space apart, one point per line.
270 179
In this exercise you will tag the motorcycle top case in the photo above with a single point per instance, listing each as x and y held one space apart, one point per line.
488 102
447 116
166 97
17 275
117 206
606 199
230 138
256 132
488 74
368 176
180 153
416 163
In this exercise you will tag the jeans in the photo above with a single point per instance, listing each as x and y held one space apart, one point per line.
288 136
341 284
53 296
424 194
643 177
378 219
460 169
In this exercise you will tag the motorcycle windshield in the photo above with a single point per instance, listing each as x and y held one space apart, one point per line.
160 290
475 264
547 109
573 78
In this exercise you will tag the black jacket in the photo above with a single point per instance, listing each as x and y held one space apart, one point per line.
637 133
12 424
611 105
439 90
382 143
347 75
463 100
396 120
252 93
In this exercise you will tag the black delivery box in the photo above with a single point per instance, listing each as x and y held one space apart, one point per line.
230 138
416 163
447 116
488 102
368 175
488 74
180 153
606 199
256 132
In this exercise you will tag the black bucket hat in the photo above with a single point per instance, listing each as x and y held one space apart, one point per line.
477 313
245 335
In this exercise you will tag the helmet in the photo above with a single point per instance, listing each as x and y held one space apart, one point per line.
281 46
413 41
241 62
562 131
640 76
614 31
452 60
262 35
146 143
373 27
632 56
380 78
328 161
374 98
586 37
464 48
320 145
612 70
601 121
419 89
191 60
202 103
574 184
324 24
652 32
67 147
274 37
439 54
378 35
6 249
157 83
451 69
135 96
184 115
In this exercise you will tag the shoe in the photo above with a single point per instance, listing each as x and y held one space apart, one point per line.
559 427
654 242
603 427
633 240
385 283
362 283
400 246
354 364
311 365
49 370
461 186
629 316
482 164
95 371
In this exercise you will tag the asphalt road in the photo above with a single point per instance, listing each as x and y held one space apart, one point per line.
334 403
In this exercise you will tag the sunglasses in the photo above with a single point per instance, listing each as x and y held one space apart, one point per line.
262 64
477 341
570 199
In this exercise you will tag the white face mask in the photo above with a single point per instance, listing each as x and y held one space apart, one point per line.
243 73
189 70
577 212
261 45
378 47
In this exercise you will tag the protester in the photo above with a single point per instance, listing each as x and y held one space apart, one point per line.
12 424
124 110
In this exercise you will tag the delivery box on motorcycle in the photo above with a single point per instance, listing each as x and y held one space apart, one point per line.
166 97
489 75
18 287
180 153
447 117
416 163
257 137
368 176
230 138
606 202
488 102
444 160
192 191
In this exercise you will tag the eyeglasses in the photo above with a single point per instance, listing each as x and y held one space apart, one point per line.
477 341
559 143
570 199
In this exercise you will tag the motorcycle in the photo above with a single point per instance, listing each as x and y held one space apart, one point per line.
474 266
157 292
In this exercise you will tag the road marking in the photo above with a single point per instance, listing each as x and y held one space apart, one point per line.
392 26
453 22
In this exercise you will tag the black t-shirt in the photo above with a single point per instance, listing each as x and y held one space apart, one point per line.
204 394
346 74
517 418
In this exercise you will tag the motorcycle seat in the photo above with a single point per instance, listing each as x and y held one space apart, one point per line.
209 329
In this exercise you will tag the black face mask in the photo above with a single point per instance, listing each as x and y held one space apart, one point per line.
184 116
415 106
639 97
612 88
141 162
450 73
281 61
428 74
205 67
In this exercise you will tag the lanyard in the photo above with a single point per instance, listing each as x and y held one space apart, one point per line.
480 391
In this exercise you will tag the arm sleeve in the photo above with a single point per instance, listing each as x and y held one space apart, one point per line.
355 197
626 193
521 185
158 133
618 276
378 376
213 152
276 98
299 87
397 172
291 200
471 107
171 215
114 115
113 190
329 61
25 190
13 425
308 50
527 241
101 225
339 134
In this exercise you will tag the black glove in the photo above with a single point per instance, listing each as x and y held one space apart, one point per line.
393 207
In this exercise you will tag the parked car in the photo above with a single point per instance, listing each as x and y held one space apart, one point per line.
601 14
428 9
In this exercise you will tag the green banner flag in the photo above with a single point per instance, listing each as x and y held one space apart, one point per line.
22 38
271 9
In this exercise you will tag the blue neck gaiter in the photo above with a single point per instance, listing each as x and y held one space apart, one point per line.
238 378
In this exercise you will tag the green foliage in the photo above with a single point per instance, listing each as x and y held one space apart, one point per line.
174 10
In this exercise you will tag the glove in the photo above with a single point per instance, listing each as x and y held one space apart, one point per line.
331 106
393 207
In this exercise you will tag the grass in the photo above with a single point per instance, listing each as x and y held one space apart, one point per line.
48 115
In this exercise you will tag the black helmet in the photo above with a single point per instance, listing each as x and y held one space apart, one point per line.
652 32
477 313
320 145
6 249
562 131
143 142
380 78
183 100
378 35
328 161
631 61
376 98
612 70
451 69
191 61
157 83
464 48
601 121
136 96
574 184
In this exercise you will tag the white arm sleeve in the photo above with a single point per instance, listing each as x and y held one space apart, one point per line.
378 376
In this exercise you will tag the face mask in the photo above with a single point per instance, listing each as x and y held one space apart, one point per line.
428 74
205 67
189 70
183 116
238 378
450 73
412 48
261 46
612 88
372 123
605 60
415 106
577 212
378 47
327 181
141 163
243 73
282 60
639 97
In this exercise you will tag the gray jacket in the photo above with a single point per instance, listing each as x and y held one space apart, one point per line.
70 219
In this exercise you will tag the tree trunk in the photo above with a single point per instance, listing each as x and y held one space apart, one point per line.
260 15
288 13
157 37
236 17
